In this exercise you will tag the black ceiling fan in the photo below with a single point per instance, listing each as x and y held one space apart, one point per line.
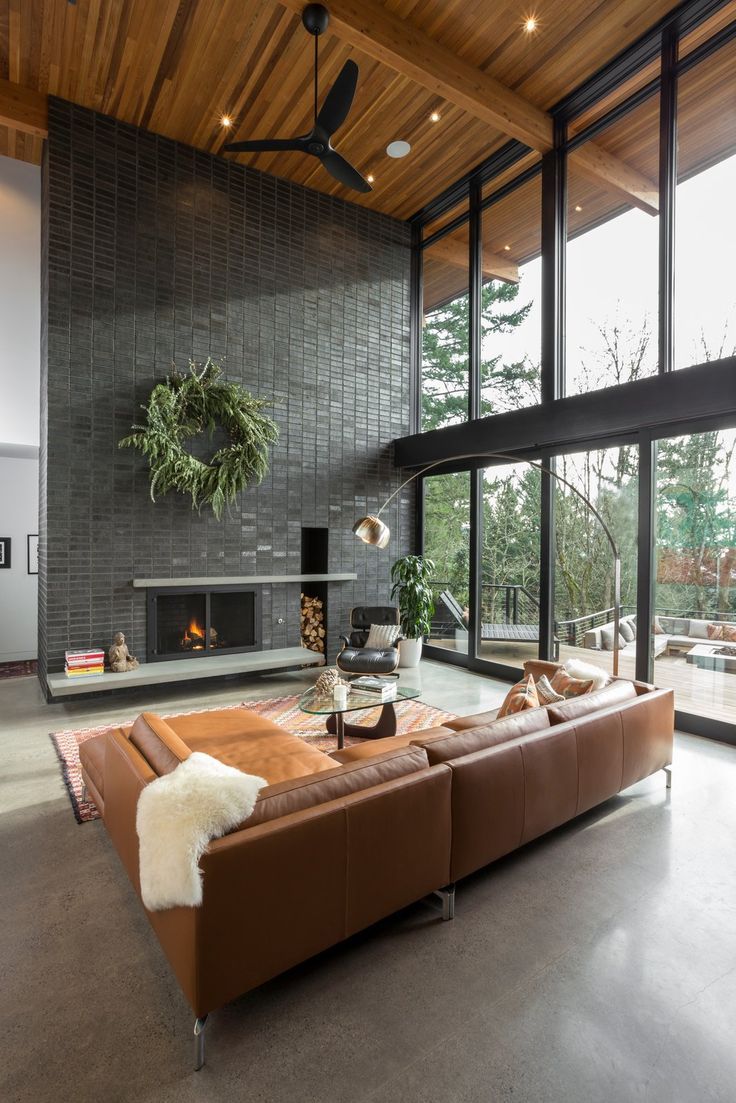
332 114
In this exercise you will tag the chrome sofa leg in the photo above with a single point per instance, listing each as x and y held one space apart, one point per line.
199 1025
447 896
668 776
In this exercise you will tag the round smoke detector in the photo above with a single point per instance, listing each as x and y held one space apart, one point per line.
398 149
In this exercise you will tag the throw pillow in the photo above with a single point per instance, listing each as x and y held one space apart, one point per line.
520 697
382 635
587 672
729 632
627 631
657 627
607 639
564 683
715 631
545 693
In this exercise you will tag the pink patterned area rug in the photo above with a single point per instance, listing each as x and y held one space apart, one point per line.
284 711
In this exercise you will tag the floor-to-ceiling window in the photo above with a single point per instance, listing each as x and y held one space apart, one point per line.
584 558
571 287
446 526
694 637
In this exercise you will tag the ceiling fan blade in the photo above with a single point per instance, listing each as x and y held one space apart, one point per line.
339 99
265 145
343 171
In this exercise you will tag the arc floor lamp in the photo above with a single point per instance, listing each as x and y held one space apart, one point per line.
372 530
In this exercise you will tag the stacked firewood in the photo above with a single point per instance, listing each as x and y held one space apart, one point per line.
313 626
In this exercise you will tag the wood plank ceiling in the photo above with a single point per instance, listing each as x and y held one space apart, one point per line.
177 66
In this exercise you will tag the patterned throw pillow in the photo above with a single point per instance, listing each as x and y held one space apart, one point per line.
520 697
726 632
545 693
382 635
563 683
658 629
715 631
729 632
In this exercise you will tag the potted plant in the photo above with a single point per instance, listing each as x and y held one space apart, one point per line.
411 585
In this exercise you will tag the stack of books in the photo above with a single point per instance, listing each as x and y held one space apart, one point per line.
84 664
383 688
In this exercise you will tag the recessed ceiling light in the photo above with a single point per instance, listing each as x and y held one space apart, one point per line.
398 149
435 117
578 207
226 121
531 23
370 178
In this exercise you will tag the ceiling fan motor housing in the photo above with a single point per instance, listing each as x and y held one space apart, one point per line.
316 19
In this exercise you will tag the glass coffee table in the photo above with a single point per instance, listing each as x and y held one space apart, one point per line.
322 704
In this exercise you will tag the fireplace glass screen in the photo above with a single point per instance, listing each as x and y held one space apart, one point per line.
202 623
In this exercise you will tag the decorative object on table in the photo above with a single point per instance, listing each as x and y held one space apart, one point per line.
340 694
372 530
84 663
356 656
411 577
4 552
120 658
32 541
327 681
382 688
411 716
198 402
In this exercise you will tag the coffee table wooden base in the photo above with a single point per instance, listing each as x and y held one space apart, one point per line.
384 727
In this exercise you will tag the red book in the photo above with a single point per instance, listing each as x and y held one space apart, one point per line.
83 656
82 664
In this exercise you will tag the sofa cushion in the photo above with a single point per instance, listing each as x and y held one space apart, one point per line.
161 747
520 697
569 686
627 631
490 735
698 629
612 694
241 738
370 748
297 794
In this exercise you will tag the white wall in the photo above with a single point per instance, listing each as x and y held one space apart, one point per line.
18 589
20 301
20 340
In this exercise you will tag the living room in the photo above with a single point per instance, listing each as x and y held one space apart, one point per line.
367 549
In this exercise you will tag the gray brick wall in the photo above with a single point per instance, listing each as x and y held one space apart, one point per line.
155 253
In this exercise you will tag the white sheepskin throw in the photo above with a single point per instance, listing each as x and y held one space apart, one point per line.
178 814
588 673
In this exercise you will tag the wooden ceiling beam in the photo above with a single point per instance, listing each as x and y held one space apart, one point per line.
23 109
495 266
368 26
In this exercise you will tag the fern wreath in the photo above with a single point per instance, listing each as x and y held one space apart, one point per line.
183 407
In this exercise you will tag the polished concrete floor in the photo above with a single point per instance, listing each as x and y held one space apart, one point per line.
596 965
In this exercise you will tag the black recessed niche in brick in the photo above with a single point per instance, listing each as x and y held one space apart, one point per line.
154 253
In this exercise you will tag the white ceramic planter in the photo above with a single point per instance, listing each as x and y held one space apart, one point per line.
410 652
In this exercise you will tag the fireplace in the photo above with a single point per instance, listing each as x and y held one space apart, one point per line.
191 623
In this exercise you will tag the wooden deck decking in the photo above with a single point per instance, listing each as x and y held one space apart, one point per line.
703 692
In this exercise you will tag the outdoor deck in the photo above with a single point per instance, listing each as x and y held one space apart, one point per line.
704 692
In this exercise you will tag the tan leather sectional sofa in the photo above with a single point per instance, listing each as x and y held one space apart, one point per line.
337 842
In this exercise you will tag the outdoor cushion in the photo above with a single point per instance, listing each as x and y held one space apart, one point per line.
627 631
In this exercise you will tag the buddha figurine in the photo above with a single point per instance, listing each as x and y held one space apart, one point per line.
120 658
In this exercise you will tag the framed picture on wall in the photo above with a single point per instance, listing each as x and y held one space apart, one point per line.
4 552
33 553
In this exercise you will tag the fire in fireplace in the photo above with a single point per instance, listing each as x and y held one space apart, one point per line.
196 623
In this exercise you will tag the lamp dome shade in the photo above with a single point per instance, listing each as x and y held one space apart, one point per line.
372 530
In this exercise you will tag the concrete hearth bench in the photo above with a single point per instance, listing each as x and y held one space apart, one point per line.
185 670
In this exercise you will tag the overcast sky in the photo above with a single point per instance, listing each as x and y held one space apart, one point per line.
612 275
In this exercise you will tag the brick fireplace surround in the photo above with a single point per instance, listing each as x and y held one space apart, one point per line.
154 253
